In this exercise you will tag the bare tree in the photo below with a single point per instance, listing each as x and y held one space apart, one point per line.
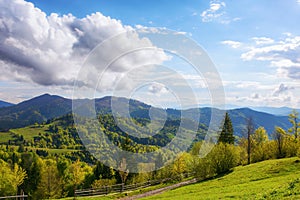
123 171
250 130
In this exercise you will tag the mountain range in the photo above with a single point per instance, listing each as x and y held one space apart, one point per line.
46 107
5 104
281 111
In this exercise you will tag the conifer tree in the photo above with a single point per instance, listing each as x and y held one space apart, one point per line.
227 131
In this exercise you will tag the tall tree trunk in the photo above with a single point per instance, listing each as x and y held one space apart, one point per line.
250 129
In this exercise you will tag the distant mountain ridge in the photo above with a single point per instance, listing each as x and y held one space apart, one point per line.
45 107
281 111
5 104
37 109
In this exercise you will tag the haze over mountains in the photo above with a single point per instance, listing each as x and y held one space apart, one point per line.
45 107
281 111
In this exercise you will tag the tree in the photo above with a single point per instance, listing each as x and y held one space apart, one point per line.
159 161
77 173
294 119
50 186
123 171
279 135
179 165
19 175
33 166
227 131
103 183
101 171
260 135
259 140
250 129
6 180
223 157
10 178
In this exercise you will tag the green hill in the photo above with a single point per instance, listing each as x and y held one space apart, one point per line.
36 110
272 179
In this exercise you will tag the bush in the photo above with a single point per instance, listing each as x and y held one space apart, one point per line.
103 182
221 159
290 146
204 169
224 157
298 152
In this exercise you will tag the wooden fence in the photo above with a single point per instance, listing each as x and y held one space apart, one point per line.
20 197
119 188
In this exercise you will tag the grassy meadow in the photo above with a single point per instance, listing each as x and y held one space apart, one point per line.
272 179
5 137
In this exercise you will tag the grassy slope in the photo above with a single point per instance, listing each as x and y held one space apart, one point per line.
30 132
273 179
5 136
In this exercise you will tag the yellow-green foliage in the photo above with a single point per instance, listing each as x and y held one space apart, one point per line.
51 183
221 159
103 182
11 177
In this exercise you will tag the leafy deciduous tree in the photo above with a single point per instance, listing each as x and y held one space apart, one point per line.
279 136
259 140
50 185
294 119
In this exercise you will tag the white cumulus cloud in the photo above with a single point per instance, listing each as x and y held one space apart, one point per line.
50 49
217 13
282 54
262 40
232 44
214 11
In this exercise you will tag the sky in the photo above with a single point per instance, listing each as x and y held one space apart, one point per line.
254 45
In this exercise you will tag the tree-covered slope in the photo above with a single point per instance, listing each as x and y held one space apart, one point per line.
32 111
45 107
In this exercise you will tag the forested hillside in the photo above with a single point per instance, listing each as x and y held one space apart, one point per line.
47 107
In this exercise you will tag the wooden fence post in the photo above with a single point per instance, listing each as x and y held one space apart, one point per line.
122 187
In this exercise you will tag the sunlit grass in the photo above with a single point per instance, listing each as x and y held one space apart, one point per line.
273 179
30 132
5 137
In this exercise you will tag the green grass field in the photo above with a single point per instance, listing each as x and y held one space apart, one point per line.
272 179
29 132
5 136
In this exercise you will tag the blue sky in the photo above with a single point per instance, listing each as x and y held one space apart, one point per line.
255 45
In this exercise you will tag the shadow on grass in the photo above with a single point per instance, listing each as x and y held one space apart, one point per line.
213 177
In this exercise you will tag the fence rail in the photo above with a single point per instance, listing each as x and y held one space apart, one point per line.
21 197
119 188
